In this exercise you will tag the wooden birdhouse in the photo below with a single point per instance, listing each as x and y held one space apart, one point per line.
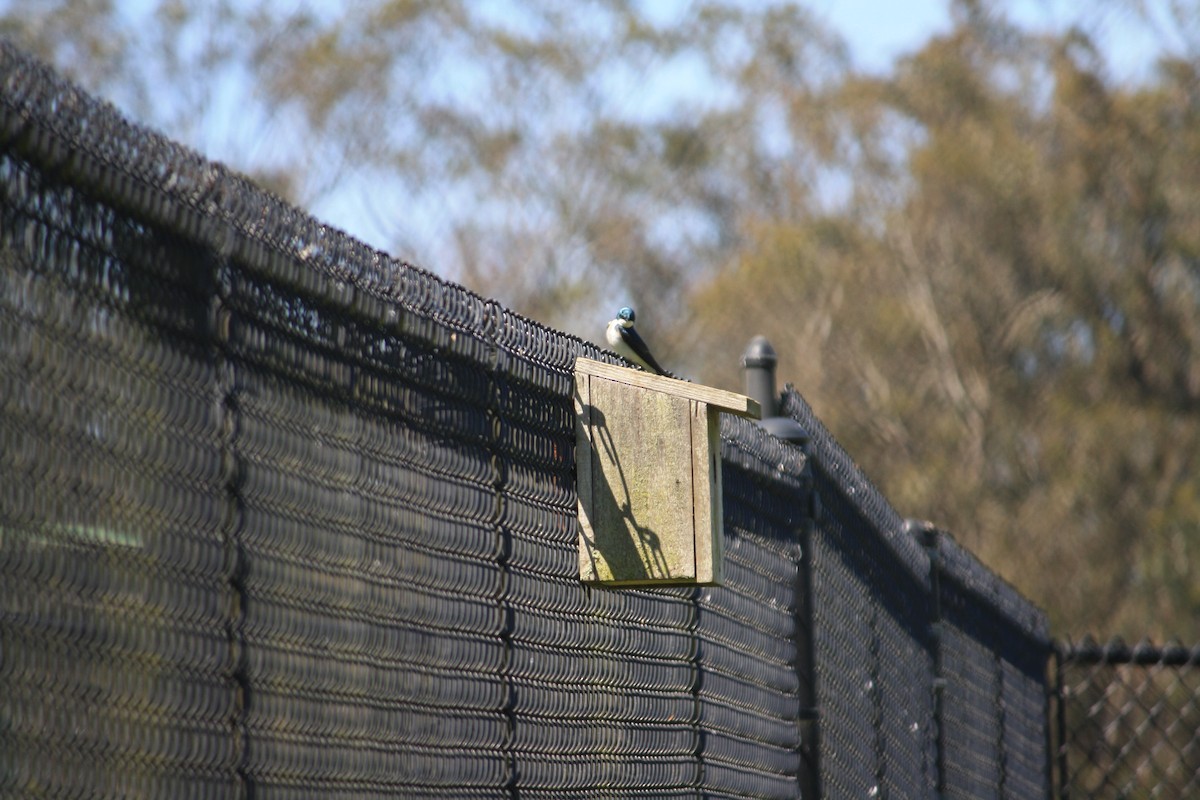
648 454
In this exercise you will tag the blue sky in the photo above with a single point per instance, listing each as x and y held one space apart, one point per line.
878 31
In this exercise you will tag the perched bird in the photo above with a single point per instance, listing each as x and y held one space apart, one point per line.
623 339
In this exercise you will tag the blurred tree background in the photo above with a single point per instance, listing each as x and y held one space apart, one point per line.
980 266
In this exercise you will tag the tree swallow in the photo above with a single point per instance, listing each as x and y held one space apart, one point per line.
623 339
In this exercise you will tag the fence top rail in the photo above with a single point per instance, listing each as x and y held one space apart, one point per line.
961 566
912 541
1116 651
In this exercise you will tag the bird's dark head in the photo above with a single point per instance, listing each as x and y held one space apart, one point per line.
626 316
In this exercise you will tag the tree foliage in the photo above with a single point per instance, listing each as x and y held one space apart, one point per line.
1007 332
981 267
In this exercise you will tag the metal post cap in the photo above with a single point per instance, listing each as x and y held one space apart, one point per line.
759 353
759 361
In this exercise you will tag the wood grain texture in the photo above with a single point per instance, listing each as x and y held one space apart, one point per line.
648 481
729 402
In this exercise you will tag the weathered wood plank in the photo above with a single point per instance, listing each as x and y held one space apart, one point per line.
649 486
729 402
707 510
641 485
583 480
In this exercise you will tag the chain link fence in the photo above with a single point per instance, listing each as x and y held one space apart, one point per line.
1127 720
283 517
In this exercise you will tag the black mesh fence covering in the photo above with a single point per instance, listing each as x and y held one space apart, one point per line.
929 670
283 517
1127 720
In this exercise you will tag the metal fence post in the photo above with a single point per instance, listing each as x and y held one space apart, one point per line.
759 362
1056 741
928 535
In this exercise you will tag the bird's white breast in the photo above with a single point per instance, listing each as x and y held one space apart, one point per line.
612 335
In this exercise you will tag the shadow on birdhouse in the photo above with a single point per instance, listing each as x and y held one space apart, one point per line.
648 458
